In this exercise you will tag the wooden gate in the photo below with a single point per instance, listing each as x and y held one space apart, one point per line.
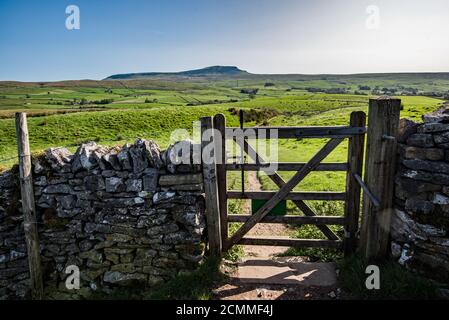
217 194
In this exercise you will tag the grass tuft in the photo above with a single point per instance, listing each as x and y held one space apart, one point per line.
395 281
193 286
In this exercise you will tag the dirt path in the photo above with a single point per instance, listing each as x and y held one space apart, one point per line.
263 229
261 276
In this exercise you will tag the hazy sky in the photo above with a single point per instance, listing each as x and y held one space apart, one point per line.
260 36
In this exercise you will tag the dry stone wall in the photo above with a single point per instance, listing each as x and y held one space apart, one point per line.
124 216
420 223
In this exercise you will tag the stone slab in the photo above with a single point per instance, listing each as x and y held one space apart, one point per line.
286 271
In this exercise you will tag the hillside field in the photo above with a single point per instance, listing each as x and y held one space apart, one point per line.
116 112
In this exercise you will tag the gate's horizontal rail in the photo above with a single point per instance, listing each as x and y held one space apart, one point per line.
315 220
266 195
298 243
285 166
298 132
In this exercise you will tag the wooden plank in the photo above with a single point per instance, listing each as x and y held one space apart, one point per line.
297 243
220 126
383 120
289 219
266 195
299 132
210 188
356 147
28 207
286 166
287 188
277 179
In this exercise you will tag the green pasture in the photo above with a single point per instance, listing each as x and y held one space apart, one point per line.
69 114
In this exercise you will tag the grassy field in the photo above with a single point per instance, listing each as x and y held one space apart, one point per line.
116 112
68 116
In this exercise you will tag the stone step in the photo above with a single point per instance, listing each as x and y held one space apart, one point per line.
286 271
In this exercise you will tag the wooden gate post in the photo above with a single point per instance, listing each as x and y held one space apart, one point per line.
383 122
28 207
208 144
355 162
220 126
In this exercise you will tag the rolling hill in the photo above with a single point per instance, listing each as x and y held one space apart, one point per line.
214 71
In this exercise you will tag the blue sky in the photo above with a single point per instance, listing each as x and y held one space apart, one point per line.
261 36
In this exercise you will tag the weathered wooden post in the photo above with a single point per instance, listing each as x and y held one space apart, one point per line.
383 122
220 126
208 144
355 162
28 207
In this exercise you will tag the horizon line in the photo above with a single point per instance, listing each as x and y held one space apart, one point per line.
249 73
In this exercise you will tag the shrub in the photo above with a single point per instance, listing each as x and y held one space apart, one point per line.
249 91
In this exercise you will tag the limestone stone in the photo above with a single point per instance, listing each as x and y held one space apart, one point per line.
117 237
433 127
66 202
119 251
430 166
418 206
153 220
153 154
94 183
404 228
40 181
68 213
440 199
59 158
123 279
158 230
173 180
145 255
114 184
124 157
124 268
58 189
421 140
114 258
434 154
93 255
406 129
88 156
138 156
439 116
163 196
46 201
134 185
85 245
126 258
150 179
441 138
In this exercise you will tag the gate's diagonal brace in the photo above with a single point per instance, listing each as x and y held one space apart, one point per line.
277 179
298 177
